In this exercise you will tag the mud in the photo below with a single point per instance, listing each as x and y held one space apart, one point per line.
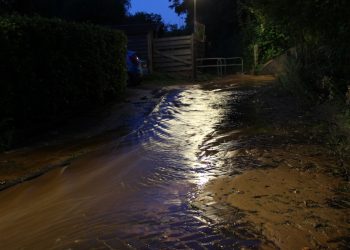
164 184
295 191
289 206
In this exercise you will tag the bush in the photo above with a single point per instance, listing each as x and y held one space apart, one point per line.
320 30
50 67
317 75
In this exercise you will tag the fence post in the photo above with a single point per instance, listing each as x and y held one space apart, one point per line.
194 58
256 55
150 52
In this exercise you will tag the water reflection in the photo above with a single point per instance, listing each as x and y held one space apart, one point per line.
177 138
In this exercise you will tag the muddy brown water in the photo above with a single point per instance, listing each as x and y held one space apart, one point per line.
135 193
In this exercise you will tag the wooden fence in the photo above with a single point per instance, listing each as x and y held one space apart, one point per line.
175 54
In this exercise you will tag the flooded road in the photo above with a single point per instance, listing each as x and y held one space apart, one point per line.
136 192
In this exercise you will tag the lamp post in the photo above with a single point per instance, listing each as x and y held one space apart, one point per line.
195 16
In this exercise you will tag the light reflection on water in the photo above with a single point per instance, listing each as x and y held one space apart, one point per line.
178 140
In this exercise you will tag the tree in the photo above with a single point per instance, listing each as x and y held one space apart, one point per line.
221 21
95 11
304 20
319 30
148 18
143 17
175 30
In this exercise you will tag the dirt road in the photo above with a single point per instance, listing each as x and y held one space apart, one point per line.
161 186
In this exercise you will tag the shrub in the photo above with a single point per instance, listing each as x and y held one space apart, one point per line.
320 30
50 67
317 75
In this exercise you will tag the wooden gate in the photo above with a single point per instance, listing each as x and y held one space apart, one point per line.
175 54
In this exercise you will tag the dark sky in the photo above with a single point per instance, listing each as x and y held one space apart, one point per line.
157 6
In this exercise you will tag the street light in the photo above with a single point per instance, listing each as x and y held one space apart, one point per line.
195 16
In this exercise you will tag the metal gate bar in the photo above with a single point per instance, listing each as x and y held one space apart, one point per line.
220 63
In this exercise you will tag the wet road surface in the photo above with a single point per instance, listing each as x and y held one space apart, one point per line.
136 192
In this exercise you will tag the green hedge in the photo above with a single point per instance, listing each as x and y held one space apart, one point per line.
49 67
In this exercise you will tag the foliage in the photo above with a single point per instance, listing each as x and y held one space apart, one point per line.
143 17
291 80
175 30
164 30
319 72
50 67
147 18
222 27
95 11
320 32
269 37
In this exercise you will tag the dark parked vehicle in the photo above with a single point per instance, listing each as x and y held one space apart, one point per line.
134 68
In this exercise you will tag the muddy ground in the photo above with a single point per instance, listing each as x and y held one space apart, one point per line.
279 178
287 182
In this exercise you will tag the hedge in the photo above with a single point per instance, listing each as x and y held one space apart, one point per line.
50 67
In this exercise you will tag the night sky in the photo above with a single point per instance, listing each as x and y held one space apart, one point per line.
159 7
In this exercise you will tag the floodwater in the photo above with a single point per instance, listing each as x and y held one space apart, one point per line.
136 192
